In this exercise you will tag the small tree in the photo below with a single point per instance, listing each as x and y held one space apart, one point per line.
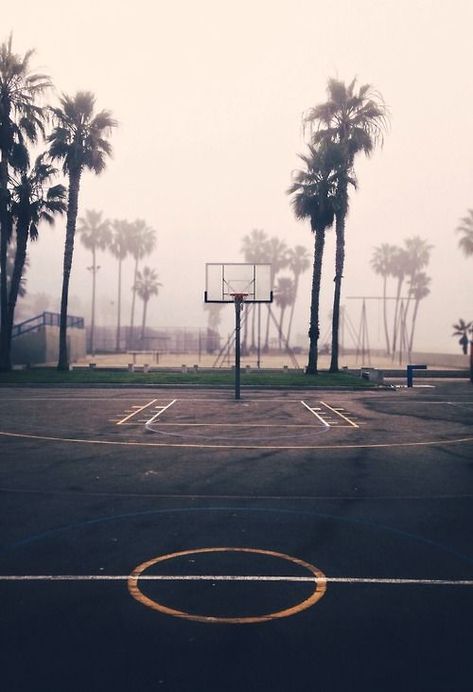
462 329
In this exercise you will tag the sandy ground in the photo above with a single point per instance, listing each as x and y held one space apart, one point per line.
272 360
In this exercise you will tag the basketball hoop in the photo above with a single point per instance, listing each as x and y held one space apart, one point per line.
239 297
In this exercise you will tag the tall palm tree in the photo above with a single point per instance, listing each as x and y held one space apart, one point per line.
466 227
147 285
120 247
275 252
417 258
32 202
254 249
79 140
354 121
382 263
418 290
313 193
21 120
142 243
284 296
95 234
399 265
298 262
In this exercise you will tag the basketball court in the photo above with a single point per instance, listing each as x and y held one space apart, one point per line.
185 540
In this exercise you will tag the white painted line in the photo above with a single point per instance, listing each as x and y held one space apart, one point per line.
134 413
314 412
340 414
234 577
160 411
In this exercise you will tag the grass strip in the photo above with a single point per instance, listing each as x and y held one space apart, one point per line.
84 376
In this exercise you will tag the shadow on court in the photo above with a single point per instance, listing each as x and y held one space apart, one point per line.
185 541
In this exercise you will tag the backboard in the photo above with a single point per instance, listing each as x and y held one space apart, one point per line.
226 280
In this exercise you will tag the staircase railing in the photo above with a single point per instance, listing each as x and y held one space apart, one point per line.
46 319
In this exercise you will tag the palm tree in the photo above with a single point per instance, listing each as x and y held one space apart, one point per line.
417 258
298 262
147 285
418 290
254 251
21 120
95 234
382 263
79 141
31 203
142 243
284 295
466 227
461 329
398 271
275 252
313 193
354 121
120 247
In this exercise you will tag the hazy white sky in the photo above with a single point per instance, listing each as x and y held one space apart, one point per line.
209 97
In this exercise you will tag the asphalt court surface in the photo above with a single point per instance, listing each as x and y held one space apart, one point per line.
180 540
283 420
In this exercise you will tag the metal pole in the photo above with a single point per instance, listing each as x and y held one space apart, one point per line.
238 303
471 361
258 358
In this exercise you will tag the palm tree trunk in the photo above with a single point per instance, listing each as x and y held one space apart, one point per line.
281 322
143 324
20 259
396 315
5 363
72 206
293 306
339 263
413 326
119 305
266 337
133 298
385 315
314 328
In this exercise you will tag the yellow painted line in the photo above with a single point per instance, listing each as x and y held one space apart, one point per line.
138 410
184 445
337 412
317 577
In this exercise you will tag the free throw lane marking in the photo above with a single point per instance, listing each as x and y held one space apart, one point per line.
318 578
161 410
314 411
337 412
138 410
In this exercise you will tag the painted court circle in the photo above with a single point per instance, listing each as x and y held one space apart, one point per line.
318 577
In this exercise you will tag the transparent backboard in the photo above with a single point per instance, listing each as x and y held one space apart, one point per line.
224 281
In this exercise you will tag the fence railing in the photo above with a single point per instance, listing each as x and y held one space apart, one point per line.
46 319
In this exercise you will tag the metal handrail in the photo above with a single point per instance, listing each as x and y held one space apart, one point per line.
46 319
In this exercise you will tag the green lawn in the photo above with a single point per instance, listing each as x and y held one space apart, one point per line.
165 377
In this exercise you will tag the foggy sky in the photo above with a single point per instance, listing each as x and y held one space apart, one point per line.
209 97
